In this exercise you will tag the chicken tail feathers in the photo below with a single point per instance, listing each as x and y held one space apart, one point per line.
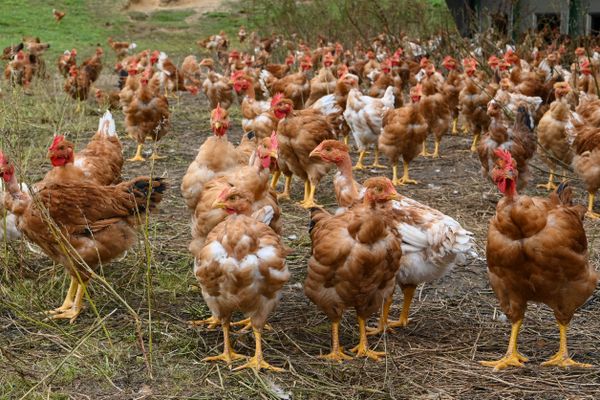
106 125
316 215
147 192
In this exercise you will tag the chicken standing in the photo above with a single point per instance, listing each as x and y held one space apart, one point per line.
537 251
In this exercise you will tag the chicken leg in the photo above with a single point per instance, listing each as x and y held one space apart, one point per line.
211 323
376 163
138 154
561 358
68 302
382 325
512 358
72 313
286 189
454 122
257 362
424 152
436 149
346 140
275 179
156 156
246 325
359 163
405 179
362 349
310 200
337 352
590 212
550 185
475 142
408 291
228 355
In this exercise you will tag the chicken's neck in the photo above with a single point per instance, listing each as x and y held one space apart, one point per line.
250 93
11 185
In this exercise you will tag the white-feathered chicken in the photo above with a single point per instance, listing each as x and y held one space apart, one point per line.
364 115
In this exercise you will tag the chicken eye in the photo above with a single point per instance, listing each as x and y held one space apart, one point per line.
327 148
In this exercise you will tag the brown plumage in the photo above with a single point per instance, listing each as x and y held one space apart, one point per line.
355 256
242 268
89 223
586 162
473 100
537 251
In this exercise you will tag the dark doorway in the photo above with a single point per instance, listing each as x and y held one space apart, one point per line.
500 22
595 24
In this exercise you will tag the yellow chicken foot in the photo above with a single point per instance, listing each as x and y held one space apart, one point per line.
359 163
337 352
376 163
346 140
306 193
138 154
409 292
550 185
382 326
562 359
155 156
424 152
68 302
590 212
211 323
228 355
454 122
310 202
475 142
465 128
362 349
436 149
275 179
257 362
286 189
72 313
512 358
246 325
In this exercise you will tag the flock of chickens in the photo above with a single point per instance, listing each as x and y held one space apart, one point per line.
297 118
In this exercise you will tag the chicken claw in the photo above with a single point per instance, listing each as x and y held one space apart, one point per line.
362 349
246 325
70 314
212 322
509 360
338 356
561 358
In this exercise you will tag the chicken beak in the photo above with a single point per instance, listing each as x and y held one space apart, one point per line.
274 154
394 196
315 153
218 204
218 125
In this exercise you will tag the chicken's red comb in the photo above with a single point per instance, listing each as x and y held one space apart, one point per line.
3 158
234 54
73 52
218 112
399 52
424 61
237 74
56 141
447 59
276 99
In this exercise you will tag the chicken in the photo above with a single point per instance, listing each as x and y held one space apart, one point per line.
435 110
294 86
555 134
537 251
355 256
452 86
171 79
147 115
216 156
66 61
101 161
132 84
93 65
298 133
9 230
80 224
242 34
364 115
58 15
78 85
281 70
324 83
403 133
586 162
473 100
190 69
242 268
216 87
107 100
517 137
334 104
432 243
121 48
256 115
19 71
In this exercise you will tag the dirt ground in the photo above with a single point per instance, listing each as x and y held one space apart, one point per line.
455 321
201 6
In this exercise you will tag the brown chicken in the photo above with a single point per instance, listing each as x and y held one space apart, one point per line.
555 134
586 162
58 15
78 85
215 157
66 61
355 256
473 100
451 88
120 48
324 83
517 137
19 71
537 251
298 133
101 161
107 100
295 87
403 133
242 268
80 224
171 78
217 88
147 115
93 65
435 109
